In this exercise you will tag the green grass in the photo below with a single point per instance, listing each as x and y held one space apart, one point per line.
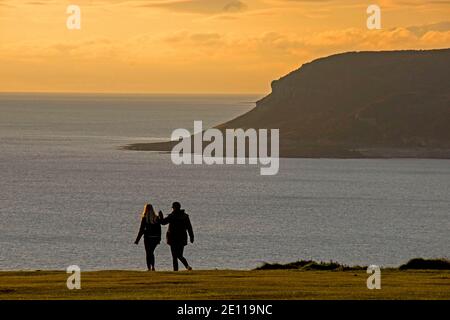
226 284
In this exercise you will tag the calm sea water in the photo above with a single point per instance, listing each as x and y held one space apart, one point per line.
68 195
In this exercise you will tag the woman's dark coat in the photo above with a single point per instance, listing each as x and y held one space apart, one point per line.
149 230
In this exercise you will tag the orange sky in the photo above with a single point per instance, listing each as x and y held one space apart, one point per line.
196 46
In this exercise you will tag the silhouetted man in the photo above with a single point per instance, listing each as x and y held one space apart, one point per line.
179 227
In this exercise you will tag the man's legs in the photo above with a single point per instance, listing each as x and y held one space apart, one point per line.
177 254
182 258
173 250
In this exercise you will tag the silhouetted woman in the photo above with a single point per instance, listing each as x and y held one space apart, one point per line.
151 230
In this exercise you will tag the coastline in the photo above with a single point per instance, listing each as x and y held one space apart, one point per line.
322 152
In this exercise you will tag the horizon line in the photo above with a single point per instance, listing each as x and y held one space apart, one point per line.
133 93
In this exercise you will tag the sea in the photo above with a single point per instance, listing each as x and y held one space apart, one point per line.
71 195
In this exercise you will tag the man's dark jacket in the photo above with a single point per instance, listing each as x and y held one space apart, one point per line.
179 227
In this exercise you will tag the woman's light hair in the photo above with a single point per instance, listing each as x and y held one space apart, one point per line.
149 214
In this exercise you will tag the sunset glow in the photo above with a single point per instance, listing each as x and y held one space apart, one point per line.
196 46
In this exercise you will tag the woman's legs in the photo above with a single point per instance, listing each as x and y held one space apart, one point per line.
153 246
150 247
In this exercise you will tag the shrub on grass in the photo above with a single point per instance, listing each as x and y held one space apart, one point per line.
308 265
426 264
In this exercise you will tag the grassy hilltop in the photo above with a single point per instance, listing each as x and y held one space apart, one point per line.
417 279
274 284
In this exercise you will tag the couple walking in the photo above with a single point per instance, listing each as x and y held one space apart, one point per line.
179 226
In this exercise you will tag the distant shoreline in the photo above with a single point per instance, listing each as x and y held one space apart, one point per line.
320 152
355 105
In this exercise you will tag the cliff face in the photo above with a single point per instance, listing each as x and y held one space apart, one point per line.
349 104
357 104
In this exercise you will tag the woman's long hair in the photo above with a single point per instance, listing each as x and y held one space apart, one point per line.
149 214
